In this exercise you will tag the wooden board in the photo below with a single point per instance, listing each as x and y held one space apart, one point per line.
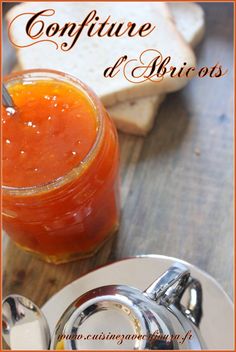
177 183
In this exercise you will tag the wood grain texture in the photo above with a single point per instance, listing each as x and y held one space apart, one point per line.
177 183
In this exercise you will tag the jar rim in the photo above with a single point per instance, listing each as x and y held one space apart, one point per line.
77 170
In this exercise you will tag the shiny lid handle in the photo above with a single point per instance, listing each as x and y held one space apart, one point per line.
193 310
167 288
170 287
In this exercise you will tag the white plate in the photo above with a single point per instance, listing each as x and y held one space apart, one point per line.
217 325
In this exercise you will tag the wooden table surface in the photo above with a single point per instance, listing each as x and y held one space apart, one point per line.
177 183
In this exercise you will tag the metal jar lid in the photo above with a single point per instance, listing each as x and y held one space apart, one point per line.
123 317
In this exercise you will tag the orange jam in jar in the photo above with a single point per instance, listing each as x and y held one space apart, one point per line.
60 167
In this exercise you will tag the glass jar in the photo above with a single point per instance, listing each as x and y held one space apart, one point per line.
72 216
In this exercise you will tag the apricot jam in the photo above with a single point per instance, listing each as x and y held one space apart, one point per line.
60 167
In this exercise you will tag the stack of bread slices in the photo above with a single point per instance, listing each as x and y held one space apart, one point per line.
132 106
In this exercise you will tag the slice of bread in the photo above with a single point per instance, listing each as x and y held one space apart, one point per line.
137 116
190 21
90 56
